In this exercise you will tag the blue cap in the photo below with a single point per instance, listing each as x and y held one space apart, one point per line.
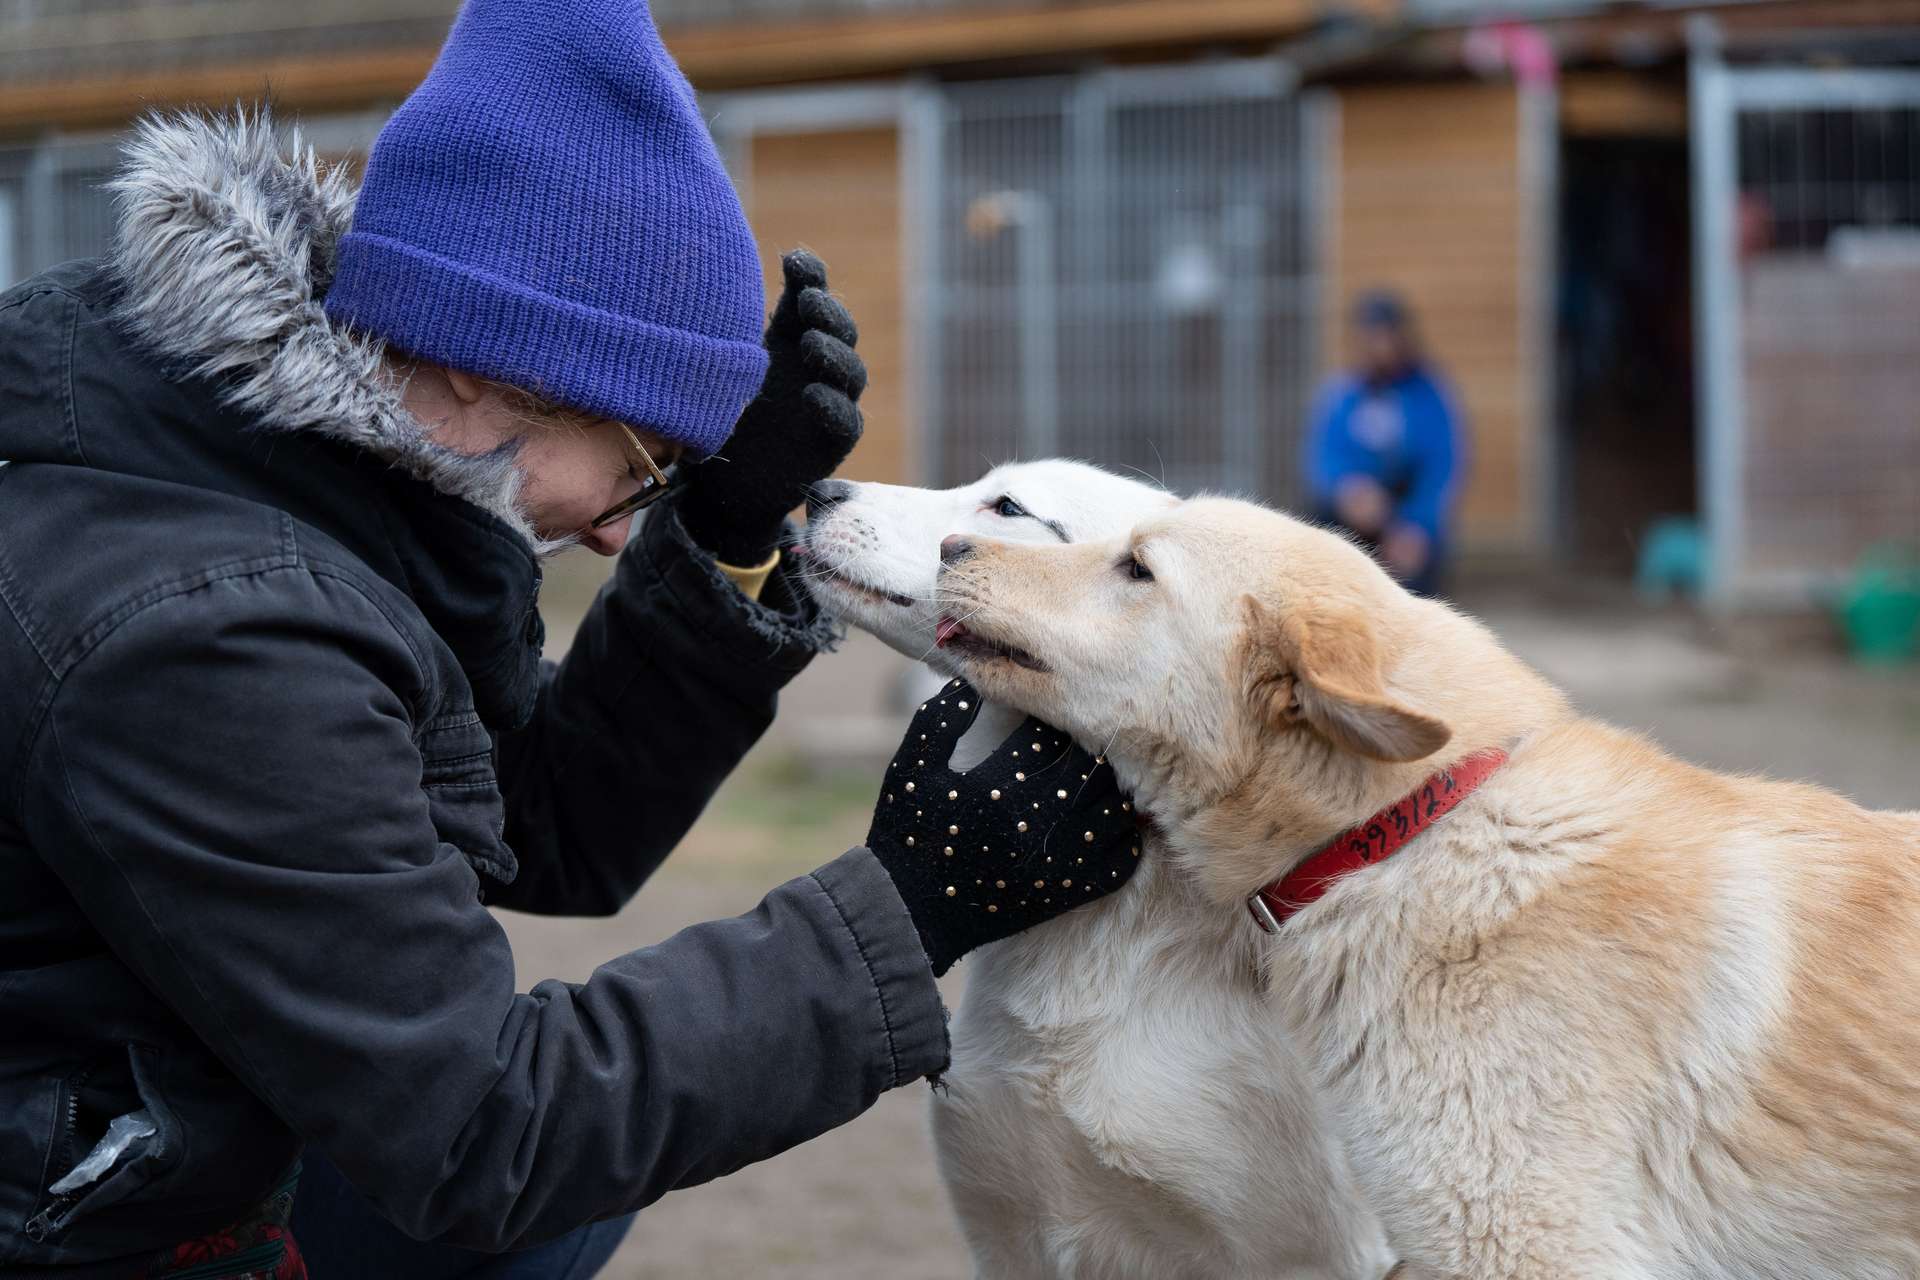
1380 309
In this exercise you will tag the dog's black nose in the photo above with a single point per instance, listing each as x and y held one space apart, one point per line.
827 495
954 547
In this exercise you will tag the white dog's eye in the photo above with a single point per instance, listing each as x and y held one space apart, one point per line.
1135 570
1009 508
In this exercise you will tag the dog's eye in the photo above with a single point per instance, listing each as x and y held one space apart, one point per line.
1009 508
1136 570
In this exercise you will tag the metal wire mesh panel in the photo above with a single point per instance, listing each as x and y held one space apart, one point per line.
54 201
10 271
83 223
53 205
1121 271
1829 253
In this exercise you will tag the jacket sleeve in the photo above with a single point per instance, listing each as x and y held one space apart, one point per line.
1434 430
673 675
1331 456
229 786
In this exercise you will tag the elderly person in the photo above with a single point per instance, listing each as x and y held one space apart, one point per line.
275 728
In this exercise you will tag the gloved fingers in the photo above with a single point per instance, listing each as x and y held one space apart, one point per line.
1033 753
804 273
802 269
936 729
839 421
820 310
1095 795
827 359
1095 827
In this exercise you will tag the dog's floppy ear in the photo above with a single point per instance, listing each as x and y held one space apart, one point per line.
1325 672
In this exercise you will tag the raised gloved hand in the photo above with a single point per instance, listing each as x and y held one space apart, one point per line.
1038 828
794 433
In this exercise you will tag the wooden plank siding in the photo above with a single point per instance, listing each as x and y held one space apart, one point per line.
838 193
871 44
1428 198
1612 103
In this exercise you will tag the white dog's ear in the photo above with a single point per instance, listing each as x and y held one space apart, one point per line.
1325 671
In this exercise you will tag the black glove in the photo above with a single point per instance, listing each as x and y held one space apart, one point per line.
793 434
1038 828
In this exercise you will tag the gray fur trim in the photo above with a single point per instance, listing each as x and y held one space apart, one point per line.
225 246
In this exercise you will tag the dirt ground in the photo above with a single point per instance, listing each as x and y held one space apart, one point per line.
864 1203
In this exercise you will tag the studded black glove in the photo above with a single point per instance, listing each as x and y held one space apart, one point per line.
1038 828
793 434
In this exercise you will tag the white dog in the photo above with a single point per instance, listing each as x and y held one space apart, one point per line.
1578 1009
1120 1104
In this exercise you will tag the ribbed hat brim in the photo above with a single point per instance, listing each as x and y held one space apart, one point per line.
685 386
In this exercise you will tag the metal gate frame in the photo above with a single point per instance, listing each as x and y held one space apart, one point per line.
1090 100
921 112
735 118
32 170
1717 94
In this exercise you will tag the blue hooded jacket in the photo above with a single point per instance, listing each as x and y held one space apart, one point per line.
1406 434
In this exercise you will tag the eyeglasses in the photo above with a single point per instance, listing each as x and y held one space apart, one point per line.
653 485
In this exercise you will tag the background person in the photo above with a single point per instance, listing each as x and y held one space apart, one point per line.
1385 444
275 728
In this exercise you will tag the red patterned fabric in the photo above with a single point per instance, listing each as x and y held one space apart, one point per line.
1375 840
258 1247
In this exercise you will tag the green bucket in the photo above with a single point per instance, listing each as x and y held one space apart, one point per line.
1880 609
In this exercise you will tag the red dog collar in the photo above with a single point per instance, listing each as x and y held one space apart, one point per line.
1375 840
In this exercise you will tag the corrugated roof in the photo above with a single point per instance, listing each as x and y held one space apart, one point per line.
63 39
699 12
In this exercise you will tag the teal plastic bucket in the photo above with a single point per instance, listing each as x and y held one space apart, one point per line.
1880 610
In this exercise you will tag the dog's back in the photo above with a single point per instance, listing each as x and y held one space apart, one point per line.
1788 1053
1709 987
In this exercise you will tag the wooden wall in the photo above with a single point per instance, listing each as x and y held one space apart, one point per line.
1430 196
838 193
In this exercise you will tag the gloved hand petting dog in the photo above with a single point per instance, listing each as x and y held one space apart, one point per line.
1036 829
796 432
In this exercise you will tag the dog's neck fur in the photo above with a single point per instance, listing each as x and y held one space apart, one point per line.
1266 797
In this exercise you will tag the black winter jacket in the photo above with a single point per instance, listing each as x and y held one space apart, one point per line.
273 726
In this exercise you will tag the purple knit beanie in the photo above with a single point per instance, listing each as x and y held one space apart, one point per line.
547 209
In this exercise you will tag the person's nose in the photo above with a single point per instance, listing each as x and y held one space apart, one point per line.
608 540
954 547
826 495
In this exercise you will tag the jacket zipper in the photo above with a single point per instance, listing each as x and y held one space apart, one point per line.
50 1222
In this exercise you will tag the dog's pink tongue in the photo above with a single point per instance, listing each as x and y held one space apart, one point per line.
945 630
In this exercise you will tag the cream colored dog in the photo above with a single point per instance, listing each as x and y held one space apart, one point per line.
1120 1104
1613 1016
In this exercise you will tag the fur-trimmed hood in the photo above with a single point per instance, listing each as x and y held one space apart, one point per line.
224 249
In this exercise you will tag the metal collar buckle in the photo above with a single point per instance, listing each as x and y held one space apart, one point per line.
1262 913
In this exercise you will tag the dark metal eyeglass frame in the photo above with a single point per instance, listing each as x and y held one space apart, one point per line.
653 486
